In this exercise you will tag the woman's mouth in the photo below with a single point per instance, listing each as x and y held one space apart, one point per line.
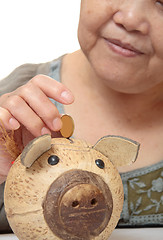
123 49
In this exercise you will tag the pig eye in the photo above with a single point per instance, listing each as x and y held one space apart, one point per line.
100 163
53 160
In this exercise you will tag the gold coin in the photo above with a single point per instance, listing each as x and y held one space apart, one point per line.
67 126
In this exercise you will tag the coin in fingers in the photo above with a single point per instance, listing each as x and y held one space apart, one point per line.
67 126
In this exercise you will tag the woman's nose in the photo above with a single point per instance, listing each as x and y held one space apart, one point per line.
132 16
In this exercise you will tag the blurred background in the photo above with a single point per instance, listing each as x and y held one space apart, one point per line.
35 31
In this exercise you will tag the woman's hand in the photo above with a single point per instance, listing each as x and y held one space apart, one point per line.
29 105
29 112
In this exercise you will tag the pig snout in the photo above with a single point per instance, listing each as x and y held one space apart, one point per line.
78 205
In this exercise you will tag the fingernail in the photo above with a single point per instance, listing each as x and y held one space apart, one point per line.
14 123
45 130
57 124
67 96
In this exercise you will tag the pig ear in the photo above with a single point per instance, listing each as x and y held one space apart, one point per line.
120 151
35 149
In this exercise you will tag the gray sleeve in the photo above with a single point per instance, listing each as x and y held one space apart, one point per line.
17 78
22 75
4 226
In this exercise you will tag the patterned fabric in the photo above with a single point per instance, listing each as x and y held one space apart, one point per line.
143 196
143 188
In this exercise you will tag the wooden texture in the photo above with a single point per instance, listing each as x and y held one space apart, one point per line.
35 149
121 151
27 193
78 205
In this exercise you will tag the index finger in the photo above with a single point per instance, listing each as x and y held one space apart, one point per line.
53 89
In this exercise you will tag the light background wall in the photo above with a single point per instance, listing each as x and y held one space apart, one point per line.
34 31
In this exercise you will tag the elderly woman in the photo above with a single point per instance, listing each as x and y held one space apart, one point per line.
112 85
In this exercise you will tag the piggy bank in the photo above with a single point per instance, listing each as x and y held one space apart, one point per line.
67 189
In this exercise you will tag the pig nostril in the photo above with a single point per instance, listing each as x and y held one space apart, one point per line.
93 201
75 204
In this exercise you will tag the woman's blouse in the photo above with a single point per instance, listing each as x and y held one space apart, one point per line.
143 188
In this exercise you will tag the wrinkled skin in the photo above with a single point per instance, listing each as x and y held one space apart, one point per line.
137 23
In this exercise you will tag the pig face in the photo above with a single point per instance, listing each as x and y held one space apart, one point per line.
67 189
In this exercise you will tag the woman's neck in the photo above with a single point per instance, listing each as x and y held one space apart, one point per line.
138 106
99 111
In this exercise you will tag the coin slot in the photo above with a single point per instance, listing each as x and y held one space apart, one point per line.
75 204
93 201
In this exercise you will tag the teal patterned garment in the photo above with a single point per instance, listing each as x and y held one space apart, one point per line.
143 188
143 197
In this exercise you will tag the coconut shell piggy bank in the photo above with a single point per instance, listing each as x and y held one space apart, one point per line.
67 189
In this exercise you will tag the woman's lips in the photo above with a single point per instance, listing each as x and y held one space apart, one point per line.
124 49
